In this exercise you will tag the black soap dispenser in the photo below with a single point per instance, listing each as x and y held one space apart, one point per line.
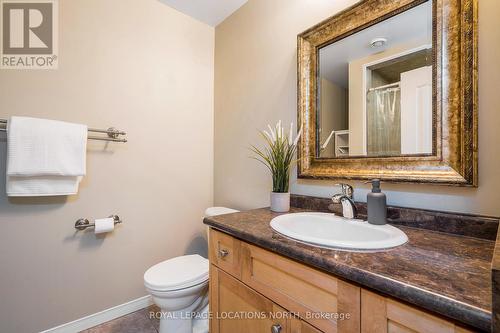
377 204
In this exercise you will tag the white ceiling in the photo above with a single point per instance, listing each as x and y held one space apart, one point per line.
414 25
211 12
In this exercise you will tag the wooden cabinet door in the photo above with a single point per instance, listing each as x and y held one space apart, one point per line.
380 314
237 308
300 326
324 301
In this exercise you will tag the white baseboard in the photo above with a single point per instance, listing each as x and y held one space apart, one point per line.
103 316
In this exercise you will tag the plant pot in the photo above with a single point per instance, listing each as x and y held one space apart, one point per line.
280 202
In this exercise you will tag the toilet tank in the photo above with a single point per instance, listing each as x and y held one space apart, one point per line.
213 211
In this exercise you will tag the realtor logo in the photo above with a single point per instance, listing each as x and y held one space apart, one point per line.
29 34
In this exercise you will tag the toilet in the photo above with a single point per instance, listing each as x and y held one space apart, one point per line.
179 287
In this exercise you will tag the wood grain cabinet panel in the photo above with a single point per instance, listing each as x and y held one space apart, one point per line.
237 308
380 314
326 302
254 290
300 326
224 252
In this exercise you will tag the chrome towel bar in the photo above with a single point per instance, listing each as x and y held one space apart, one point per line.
113 133
82 224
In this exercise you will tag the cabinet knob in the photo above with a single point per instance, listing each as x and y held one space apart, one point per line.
276 328
223 253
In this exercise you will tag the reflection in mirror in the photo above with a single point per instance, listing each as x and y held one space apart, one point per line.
375 89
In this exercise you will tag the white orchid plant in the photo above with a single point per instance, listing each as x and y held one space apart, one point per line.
279 154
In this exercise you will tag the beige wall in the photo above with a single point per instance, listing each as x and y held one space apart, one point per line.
333 111
142 67
255 83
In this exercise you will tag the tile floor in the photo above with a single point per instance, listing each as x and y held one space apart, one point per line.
142 321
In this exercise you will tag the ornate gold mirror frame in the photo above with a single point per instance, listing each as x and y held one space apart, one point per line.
454 157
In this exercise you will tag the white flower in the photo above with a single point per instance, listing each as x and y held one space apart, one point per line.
268 135
273 136
298 137
278 133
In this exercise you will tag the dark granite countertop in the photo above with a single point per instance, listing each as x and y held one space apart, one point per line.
445 273
495 279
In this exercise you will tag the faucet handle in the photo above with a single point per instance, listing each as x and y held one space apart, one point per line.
347 189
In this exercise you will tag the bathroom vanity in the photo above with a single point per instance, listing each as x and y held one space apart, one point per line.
439 281
386 89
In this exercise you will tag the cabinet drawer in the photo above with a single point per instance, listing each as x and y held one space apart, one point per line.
224 252
314 296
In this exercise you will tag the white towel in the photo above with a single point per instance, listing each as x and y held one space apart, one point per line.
42 186
45 157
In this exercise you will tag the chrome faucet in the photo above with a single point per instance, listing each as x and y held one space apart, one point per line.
346 199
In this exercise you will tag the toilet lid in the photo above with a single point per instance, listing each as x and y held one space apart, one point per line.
177 273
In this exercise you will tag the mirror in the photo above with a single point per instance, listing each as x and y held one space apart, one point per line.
375 89
388 89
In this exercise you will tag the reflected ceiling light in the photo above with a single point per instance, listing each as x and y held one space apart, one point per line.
378 42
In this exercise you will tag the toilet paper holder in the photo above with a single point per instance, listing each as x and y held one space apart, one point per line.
82 224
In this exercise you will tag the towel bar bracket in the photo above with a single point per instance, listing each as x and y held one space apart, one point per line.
82 224
113 133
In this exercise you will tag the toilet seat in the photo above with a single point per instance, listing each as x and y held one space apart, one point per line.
177 273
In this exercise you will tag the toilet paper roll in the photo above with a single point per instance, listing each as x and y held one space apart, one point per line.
104 225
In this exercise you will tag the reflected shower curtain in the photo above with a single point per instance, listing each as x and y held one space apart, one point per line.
384 122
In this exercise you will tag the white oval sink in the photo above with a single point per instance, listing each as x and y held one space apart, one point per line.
329 230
